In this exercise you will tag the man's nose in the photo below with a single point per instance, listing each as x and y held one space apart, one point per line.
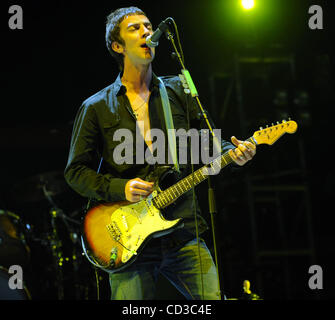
146 32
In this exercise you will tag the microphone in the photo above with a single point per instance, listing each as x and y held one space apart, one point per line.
152 40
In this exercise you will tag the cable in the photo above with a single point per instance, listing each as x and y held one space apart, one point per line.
97 282
178 39
195 209
95 265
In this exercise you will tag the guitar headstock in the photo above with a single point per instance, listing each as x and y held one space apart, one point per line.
270 135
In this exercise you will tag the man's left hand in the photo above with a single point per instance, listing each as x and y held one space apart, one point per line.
243 152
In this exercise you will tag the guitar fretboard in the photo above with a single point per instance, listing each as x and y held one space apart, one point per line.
171 194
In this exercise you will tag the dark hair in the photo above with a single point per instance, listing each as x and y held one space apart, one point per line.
113 22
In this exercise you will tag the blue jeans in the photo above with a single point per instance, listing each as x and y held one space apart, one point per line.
180 264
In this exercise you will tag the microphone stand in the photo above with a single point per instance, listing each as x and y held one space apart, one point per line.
191 89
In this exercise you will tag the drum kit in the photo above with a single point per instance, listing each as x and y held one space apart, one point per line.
42 238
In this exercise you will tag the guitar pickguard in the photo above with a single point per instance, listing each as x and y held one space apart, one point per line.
135 222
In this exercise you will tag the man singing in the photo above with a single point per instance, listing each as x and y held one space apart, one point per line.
133 102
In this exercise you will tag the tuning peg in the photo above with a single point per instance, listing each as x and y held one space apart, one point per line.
284 121
272 124
289 118
277 122
260 128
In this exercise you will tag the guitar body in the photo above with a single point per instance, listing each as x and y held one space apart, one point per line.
115 233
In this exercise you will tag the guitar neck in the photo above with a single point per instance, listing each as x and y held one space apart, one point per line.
171 194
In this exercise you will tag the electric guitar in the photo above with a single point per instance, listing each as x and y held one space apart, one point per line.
115 233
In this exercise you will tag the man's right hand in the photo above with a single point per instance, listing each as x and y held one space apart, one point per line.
137 189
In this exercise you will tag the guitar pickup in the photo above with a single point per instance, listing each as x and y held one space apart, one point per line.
114 231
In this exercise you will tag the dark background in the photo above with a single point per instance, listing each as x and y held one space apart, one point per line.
274 216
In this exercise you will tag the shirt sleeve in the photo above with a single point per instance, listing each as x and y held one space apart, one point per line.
83 161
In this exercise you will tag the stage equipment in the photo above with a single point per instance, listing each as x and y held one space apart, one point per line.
189 88
49 229
248 4
32 189
13 245
152 40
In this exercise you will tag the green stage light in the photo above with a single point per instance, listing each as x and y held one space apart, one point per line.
248 4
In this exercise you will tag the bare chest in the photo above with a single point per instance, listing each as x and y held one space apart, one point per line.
140 107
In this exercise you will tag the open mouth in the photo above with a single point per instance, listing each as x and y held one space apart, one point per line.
144 45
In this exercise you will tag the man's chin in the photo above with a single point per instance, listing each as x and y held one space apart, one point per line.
150 54
149 59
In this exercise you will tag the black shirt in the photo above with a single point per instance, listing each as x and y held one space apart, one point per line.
97 120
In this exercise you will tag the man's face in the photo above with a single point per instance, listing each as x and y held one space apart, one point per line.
134 30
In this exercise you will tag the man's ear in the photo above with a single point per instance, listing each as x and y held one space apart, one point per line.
117 47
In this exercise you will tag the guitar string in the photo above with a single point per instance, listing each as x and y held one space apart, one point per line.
133 217
225 157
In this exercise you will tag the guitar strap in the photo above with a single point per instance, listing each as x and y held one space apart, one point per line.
169 123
